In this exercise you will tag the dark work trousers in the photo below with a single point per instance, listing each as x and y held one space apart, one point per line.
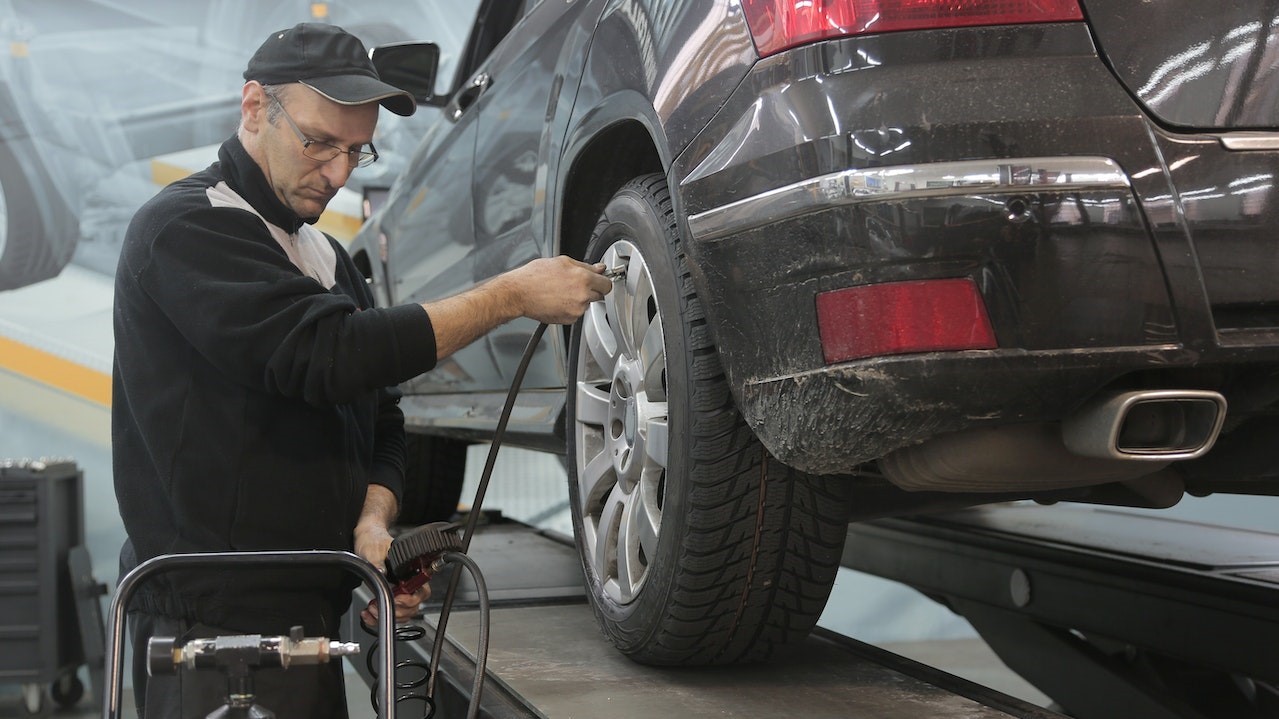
299 692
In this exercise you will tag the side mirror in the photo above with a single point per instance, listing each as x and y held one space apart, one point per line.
410 66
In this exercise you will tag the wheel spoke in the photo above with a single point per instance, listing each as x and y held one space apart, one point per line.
607 538
630 569
592 404
600 337
656 438
595 479
618 304
641 526
637 276
652 356
638 321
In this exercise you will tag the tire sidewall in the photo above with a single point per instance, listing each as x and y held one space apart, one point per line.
21 211
36 245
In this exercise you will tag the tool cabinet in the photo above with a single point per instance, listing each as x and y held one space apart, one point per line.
41 520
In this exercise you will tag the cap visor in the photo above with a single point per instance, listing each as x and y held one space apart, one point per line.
360 89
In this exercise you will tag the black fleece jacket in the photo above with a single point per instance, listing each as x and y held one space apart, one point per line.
253 397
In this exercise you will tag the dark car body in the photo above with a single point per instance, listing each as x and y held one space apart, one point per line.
1077 213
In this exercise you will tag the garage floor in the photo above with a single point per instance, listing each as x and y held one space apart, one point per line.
11 703
966 658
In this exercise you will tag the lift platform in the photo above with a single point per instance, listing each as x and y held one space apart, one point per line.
548 658
1110 613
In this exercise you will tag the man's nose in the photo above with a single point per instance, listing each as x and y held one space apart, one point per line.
338 170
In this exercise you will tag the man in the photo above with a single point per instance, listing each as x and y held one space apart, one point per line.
254 404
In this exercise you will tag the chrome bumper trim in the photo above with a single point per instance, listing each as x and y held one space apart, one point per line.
880 184
1250 141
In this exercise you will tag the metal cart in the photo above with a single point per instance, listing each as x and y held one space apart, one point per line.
385 658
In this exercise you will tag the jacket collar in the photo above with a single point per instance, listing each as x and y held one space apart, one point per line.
244 176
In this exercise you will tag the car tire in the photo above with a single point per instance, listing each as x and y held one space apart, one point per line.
26 254
697 546
434 469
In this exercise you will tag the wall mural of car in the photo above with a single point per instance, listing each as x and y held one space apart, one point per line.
102 103
880 257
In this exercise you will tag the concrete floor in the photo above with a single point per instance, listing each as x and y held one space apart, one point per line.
11 703
970 659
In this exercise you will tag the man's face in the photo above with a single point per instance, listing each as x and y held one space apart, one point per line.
304 184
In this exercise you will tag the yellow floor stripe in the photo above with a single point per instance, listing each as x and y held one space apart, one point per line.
165 173
65 415
68 376
342 227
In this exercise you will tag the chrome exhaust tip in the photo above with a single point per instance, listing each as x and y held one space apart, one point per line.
1154 425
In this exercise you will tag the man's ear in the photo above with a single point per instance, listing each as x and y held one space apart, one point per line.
253 106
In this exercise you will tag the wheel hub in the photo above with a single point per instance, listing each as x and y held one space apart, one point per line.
625 439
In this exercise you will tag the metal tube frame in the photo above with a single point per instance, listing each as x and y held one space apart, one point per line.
169 562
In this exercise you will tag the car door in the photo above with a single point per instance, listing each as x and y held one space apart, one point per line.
428 230
522 119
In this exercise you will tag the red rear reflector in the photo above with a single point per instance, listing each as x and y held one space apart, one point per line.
781 24
901 317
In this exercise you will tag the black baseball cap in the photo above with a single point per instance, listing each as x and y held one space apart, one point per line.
329 60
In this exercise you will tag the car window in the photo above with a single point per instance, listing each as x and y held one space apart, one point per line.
451 36
495 20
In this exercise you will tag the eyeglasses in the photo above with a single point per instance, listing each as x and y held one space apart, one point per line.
323 151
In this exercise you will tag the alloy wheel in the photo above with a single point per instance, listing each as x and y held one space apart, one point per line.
620 427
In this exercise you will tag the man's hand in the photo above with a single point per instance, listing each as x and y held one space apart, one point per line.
556 290
373 541
406 606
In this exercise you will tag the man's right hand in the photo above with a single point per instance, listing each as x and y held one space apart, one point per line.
556 290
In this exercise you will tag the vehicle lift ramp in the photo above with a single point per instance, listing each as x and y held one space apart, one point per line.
1110 613
548 658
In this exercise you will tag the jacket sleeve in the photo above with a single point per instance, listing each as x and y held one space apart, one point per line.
389 440
233 294
389 444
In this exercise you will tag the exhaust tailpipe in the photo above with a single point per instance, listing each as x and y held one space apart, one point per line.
1154 425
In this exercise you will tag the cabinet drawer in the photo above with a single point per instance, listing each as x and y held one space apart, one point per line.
13 492
17 504
17 515
17 562
19 603
19 651
18 537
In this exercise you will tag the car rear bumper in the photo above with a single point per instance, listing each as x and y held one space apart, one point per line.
830 420
1018 163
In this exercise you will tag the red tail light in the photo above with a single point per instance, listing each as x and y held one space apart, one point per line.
902 317
781 24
